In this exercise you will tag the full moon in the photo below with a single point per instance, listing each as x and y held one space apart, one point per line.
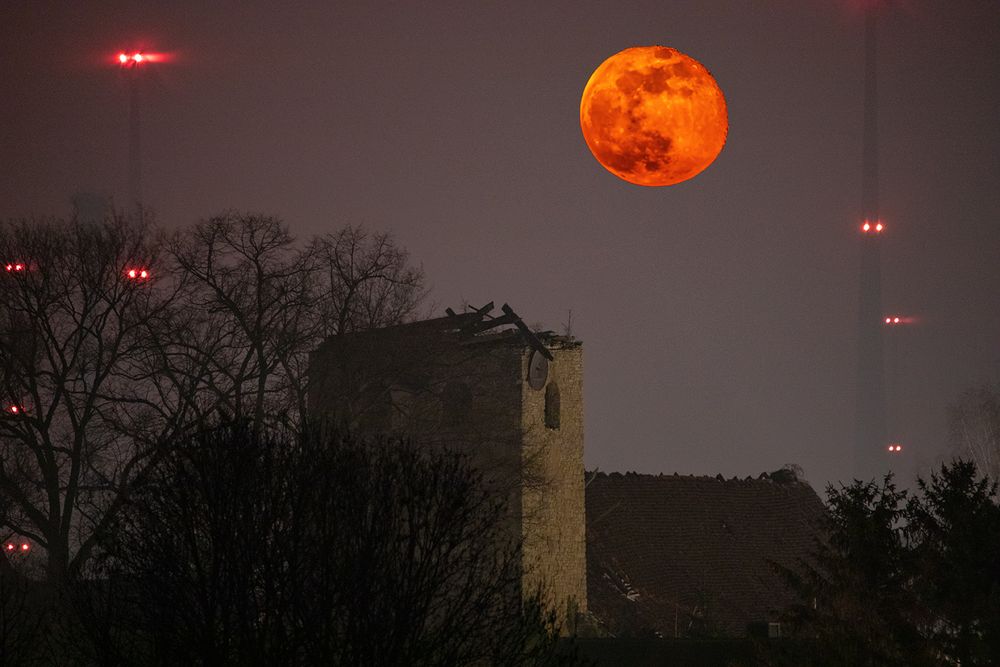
653 116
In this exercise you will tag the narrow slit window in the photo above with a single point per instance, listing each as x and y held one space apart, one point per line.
552 406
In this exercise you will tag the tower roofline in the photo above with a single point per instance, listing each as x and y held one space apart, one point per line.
476 326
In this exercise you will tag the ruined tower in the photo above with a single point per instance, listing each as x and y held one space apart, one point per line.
510 398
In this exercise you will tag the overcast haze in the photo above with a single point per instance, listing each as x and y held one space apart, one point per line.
719 316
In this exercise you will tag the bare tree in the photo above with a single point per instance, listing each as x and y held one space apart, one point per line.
248 290
365 282
110 347
75 431
259 303
975 427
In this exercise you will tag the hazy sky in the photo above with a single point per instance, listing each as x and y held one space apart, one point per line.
719 316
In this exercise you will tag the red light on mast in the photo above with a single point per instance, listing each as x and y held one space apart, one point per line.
131 59
25 546
869 226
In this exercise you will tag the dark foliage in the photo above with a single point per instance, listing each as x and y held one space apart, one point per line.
954 526
855 602
899 582
280 549
22 621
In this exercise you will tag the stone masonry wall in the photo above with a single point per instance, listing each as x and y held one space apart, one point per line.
553 505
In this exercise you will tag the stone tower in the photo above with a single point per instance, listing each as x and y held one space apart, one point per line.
510 398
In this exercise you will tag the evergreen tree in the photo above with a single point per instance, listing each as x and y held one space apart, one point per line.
954 524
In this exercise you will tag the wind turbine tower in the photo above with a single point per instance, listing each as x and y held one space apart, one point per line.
131 63
870 453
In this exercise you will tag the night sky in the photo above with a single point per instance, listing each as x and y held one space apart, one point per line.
719 316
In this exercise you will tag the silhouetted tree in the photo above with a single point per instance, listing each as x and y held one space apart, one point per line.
954 524
894 583
420 565
100 369
856 606
249 548
257 303
74 432
248 290
365 281
23 621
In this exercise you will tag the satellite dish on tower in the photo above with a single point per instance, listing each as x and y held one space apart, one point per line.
538 370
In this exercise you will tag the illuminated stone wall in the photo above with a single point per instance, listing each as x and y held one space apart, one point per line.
553 520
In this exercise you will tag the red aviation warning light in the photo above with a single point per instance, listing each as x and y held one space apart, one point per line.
16 267
895 448
137 274
868 227
130 59
134 58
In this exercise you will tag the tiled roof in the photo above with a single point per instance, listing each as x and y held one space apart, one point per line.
692 555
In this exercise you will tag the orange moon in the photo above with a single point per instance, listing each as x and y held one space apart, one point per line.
653 116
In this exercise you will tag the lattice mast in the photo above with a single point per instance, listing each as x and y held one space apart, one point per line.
870 457
131 65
